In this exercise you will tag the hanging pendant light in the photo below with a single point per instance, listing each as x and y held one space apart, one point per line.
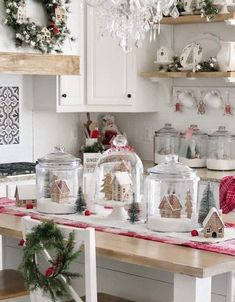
130 20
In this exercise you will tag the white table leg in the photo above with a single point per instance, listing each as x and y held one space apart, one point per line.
230 286
191 289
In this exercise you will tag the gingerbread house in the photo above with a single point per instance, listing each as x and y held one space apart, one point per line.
59 191
21 15
170 206
45 35
121 186
213 226
25 194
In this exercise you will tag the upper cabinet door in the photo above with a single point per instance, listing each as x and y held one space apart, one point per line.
110 72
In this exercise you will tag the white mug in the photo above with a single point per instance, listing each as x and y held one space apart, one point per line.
187 99
213 99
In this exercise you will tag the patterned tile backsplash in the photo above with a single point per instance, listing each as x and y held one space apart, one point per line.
9 115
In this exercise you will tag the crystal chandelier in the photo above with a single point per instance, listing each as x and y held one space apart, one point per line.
130 20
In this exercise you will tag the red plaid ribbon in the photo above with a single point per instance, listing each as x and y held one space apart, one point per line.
227 194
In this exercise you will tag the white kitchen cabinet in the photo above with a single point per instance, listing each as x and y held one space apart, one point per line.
109 80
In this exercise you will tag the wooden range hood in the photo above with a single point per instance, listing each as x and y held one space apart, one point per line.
39 64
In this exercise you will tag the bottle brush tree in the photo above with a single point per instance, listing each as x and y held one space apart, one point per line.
80 204
207 202
134 210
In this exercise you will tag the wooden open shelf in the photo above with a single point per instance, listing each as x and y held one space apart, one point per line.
156 75
191 19
40 64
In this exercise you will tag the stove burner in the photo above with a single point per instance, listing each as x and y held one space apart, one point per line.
17 168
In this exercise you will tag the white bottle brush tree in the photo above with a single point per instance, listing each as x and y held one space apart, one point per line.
207 202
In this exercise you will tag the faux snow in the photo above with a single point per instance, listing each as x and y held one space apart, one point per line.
47 206
160 224
194 162
220 164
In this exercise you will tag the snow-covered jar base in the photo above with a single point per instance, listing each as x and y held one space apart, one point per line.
47 206
194 162
160 224
220 164
159 158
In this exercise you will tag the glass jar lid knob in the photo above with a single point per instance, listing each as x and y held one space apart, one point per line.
120 141
59 149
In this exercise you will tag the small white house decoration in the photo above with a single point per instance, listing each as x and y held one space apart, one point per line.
121 186
21 15
164 55
60 14
213 226
25 194
46 35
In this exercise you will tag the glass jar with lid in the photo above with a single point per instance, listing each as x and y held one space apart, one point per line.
193 147
221 150
58 177
118 178
166 141
172 190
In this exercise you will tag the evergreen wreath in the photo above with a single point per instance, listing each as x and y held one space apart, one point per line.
47 236
45 39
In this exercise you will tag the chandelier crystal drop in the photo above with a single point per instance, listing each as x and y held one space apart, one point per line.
130 20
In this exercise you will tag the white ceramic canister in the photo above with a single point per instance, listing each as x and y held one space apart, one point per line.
226 56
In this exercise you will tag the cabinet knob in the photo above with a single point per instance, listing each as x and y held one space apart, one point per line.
129 95
64 95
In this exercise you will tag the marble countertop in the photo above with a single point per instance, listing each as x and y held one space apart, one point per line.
14 178
203 173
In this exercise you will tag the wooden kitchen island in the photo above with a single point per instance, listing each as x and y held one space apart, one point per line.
192 268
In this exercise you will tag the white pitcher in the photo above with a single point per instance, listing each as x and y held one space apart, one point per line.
226 56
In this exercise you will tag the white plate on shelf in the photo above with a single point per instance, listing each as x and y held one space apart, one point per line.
191 55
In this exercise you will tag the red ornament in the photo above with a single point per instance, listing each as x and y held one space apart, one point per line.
178 107
22 242
87 213
49 271
228 109
29 206
52 24
194 233
56 30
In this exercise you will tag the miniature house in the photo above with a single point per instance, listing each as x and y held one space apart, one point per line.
60 14
46 35
59 191
164 55
121 186
123 167
21 14
25 194
170 206
213 226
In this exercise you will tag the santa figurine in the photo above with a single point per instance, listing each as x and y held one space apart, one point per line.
109 130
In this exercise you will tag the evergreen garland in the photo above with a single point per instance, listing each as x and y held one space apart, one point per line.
208 9
134 210
80 203
48 236
206 203
29 33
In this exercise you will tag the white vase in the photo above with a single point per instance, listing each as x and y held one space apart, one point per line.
226 56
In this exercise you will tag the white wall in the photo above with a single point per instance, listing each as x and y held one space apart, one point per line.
140 127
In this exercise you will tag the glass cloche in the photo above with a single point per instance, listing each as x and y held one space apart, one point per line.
172 190
221 150
193 147
166 141
118 178
58 177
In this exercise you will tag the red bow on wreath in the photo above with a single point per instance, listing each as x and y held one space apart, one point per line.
55 28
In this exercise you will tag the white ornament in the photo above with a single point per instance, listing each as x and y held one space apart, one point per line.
21 14
45 35
60 14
